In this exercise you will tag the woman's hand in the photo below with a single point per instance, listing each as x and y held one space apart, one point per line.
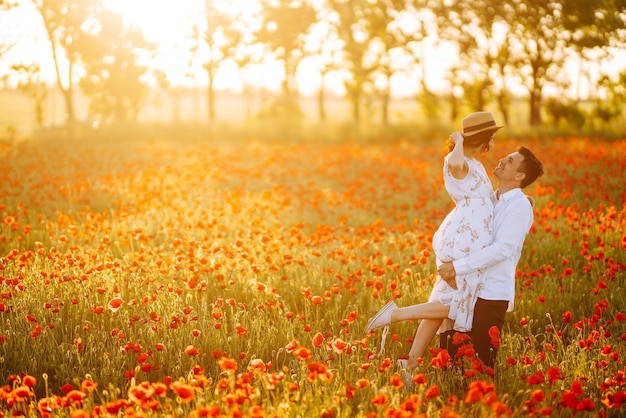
456 138
448 274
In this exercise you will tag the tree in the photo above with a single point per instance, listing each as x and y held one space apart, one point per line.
423 25
285 25
611 107
592 26
356 38
31 82
389 39
217 40
505 72
593 23
538 35
65 23
6 44
325 56
113 78
479 30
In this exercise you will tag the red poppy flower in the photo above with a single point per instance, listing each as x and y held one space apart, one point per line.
114 304
554 374
318 339
241 331
441 360
396 381
302 353
536 379
22 392
292 345
350 391
190 350
338 345
114 407
88 386
380 400
432 392
76 396
184 391
317 370
361 383
66 388
494 335
227 364
460 337
29 381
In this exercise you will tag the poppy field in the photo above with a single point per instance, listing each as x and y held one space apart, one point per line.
156 278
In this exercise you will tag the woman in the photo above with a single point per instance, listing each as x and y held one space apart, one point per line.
465 229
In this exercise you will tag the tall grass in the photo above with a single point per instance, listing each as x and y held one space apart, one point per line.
162 277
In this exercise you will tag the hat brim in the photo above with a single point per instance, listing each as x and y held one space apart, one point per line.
490 128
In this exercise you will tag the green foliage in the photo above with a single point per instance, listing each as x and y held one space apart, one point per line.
569 113
113 82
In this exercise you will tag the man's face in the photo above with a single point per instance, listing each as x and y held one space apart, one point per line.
507 168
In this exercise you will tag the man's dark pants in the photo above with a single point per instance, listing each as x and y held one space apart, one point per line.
487 313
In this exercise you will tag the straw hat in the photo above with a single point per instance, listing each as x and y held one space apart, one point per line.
479 122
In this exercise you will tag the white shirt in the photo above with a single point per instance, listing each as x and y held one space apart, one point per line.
512 220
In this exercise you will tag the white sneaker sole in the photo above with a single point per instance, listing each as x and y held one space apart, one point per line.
371 324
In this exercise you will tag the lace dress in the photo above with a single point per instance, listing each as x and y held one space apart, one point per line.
465 229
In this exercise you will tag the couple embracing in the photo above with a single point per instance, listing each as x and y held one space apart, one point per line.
477 247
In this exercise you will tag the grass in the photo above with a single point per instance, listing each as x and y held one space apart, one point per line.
200 279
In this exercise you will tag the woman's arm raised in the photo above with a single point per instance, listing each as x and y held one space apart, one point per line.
456 161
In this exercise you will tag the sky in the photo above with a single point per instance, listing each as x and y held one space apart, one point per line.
165 22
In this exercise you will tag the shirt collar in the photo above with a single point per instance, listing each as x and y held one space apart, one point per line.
511 194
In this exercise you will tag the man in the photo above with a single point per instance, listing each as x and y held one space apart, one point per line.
513 218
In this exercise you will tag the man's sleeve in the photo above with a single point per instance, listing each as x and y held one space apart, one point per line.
509 237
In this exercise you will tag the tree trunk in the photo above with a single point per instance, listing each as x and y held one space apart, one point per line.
385 102
67 92
454 107
355 98
503 107
321 108
385 108
535 107
211 100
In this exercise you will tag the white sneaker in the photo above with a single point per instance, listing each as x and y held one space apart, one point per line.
405 374
382 318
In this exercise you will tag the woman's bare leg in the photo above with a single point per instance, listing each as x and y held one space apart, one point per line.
425 333
428 310
431 314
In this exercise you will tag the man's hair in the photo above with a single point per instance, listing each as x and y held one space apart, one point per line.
531 166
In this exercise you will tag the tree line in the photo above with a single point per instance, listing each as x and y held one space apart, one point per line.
367 42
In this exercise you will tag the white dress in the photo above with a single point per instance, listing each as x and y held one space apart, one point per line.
467 228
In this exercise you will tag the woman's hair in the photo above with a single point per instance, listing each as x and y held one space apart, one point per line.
476 140
531 166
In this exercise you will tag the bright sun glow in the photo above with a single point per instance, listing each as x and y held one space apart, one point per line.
168 22
160 20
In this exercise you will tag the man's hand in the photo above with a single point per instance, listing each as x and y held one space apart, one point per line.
447 273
